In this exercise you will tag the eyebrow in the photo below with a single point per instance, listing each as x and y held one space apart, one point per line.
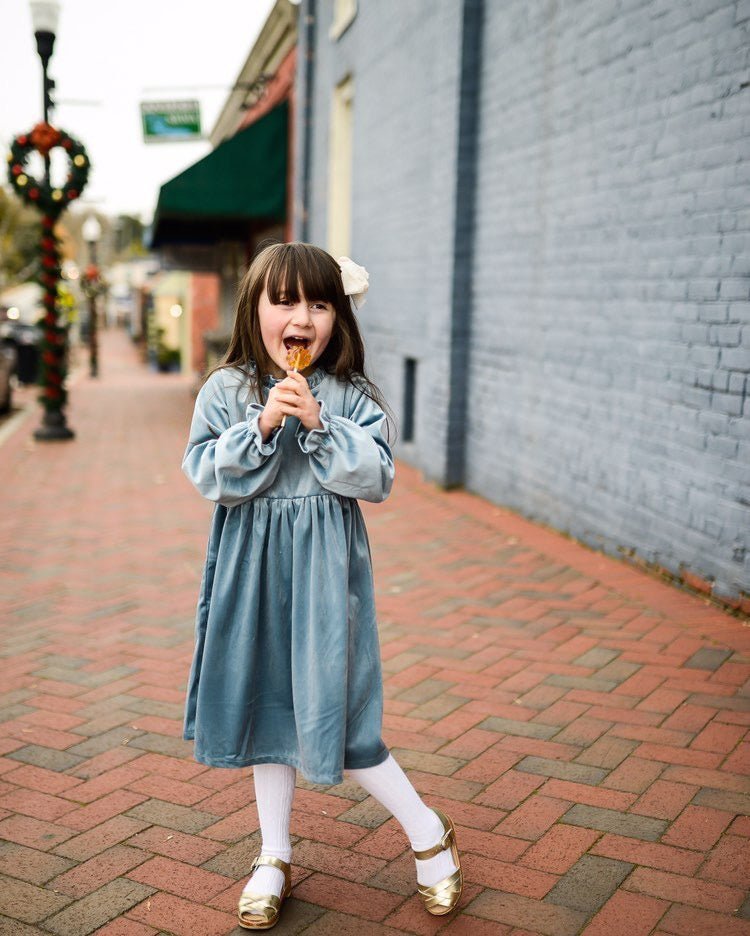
284 295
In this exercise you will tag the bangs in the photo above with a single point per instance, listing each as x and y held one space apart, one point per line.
296 270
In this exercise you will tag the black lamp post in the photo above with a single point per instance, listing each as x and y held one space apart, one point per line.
91 232
45 15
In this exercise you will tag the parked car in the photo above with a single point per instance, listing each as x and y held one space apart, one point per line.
23 340
7 367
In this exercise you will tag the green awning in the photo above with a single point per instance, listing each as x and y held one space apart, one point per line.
223 195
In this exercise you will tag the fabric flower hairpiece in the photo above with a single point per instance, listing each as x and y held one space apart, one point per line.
356 280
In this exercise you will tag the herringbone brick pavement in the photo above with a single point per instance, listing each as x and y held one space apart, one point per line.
584 724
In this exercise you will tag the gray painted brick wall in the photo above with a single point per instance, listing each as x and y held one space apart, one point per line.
612 339
610 345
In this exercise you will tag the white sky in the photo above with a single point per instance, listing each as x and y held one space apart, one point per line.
111 52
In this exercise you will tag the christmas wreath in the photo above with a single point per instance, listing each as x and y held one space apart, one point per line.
48 198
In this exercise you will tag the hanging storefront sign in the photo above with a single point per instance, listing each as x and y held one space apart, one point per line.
170 121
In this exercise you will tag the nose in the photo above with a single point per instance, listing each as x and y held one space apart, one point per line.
301 314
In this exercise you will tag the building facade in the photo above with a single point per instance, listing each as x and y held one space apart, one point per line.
551 200
211 217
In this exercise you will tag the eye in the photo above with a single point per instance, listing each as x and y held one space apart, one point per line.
320 306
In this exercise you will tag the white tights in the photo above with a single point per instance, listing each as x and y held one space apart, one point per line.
386 782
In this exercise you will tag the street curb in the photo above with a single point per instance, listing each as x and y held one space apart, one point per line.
15 422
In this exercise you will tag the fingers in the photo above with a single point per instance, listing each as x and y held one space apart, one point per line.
289 396
293 381
287 399
297 381
291 390
288 383
287 403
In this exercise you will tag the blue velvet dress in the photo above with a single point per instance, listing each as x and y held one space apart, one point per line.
286 668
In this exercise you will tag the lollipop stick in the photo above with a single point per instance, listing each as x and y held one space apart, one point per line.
283 418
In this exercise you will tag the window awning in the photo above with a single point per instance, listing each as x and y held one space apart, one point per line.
223 195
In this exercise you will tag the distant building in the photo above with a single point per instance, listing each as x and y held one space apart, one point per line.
551 201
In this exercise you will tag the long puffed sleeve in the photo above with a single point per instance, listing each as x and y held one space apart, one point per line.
228 463
350 456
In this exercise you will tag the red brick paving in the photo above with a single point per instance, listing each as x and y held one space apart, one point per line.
579 720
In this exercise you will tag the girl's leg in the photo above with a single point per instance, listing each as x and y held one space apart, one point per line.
274 792
392 788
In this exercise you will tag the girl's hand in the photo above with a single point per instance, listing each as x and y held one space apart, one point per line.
305 406
290 397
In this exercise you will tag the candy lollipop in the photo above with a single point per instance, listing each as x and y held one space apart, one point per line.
298 358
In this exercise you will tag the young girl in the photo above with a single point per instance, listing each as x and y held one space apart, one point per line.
286 674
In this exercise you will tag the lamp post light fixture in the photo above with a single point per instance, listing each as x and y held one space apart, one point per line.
45 15
91 232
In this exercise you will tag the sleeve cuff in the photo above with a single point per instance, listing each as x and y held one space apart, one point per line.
252 414
310 440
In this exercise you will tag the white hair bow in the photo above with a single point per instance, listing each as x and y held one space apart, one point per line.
356 280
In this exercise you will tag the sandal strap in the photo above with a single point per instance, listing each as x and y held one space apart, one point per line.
446 841
257 905
443 894
271 860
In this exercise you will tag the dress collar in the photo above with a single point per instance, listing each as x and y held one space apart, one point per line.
313 380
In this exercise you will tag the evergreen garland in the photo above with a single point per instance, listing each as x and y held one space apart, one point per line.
51 201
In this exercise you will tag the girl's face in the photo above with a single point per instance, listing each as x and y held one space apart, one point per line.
288 323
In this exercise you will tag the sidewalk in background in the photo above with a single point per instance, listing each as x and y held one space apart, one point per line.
584 724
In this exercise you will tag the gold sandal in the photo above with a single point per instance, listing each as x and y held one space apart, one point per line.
265 908
442 897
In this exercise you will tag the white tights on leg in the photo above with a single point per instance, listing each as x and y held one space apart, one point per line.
274 792
390 786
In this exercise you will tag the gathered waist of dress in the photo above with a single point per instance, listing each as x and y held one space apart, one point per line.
317 495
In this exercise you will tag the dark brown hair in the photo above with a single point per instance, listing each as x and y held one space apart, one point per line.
291 270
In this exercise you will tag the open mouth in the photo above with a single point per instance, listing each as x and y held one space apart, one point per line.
294 341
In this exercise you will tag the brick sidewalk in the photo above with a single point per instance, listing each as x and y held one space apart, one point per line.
584 724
